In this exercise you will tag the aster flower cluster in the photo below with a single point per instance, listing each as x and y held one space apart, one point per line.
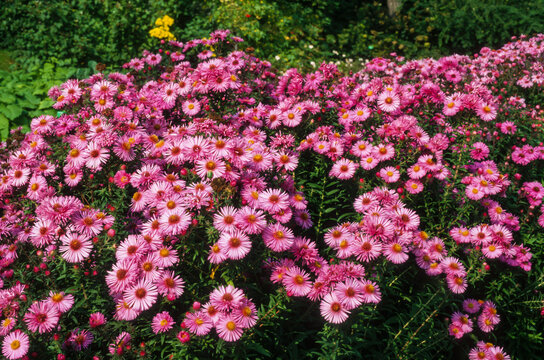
190 139
488 318
462 324
229 311
487 351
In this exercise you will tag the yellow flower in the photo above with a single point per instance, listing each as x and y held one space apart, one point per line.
162 31
167 20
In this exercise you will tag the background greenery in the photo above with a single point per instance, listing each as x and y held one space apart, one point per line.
45 42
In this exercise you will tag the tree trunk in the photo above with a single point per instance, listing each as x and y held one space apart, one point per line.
393 6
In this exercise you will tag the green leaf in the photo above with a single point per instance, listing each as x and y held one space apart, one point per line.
12 111
34 100
258 348
48 67
4 127
45 104
7 98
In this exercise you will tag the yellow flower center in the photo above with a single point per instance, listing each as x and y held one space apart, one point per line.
57 297
15 344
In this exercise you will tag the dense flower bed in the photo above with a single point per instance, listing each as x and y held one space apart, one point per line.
199 162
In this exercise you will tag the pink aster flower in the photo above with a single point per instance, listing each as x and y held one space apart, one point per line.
210 168
463 321
457 284
366 248
153 59
395 252
297 282
451 106
360 114
170 284
80 339
371 292
471 306
388 102
492 250
235 244
286 160
413 186
332 309
174 222
343 169
455 330
349 293
291 118
166 256
96 319
162 322
216 254
6 325
245 314
474 192
133 247
406 218
87 223
224 219
479 151
191 107
61 301
389 174
384 152
364 202
273 200
226 297
36 188
149 269
485 323
361 148
228 329
498 353
75 247
141 296
123 311
198 323
508 127
479 353
72 176
251 220
43 233
41 317
416 171
452 266
302 219
121 178
369 162
278 237
486 111
169 94
15 345
95 156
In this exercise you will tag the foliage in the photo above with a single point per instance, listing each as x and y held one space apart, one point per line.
298 33
23 92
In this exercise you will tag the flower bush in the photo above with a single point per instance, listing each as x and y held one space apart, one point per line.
177 208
